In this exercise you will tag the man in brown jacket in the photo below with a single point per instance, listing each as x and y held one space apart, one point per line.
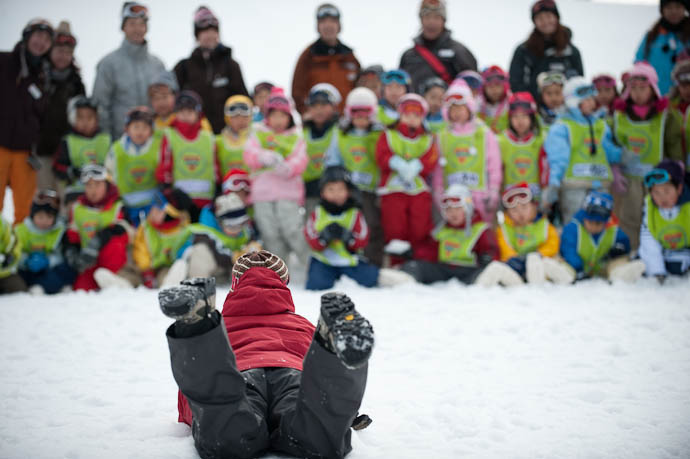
326 60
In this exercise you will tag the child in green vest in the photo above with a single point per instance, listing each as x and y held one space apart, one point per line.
528 244
607 93
494 101
521 144
433 89
320 132
580 151
231 141
336 231
85 144
355 149
649 131
665 232
593 245
396 83
463 244
132 163
42 265
680 101
551 99
188 159
10 251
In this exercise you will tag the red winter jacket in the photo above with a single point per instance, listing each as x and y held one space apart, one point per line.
262 326
384 153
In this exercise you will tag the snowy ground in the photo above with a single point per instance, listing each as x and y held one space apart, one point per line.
588 371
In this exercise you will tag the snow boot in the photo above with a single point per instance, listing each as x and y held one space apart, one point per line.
343 331
627 272
498 273
391 277
534 269
558 271
189 302
361 422
106 278
176 274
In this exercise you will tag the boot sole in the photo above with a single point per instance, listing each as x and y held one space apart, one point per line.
177 302
351 335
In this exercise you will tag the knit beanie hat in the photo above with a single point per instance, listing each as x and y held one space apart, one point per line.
260 259
35 25
433 6
327 10
204 19
644 71
576 90
63 35
544 5
598 206
459 93
277 100
675 171
230 210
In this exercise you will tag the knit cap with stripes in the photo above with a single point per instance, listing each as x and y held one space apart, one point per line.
260 259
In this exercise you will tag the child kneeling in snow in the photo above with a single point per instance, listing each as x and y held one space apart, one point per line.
465 244
10 251
336 230
595 246
259 377
528 245
665 233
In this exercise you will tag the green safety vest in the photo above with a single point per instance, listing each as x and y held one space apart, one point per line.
671 234
136 175
520 160
455 246
230 154
526 239
408 149
193 164
90 220
224 244
9 245
83 150
642 142
359 157
336 253
590 252
464 158
280 143
583 166
36 240
316 151
387 116
163 246
686 134
496 123
436 126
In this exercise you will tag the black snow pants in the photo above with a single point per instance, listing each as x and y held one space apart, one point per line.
245 414
426 272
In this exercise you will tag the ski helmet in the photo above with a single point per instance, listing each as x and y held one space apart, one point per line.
76 103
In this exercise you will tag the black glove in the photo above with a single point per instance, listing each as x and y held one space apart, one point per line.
330 233
106 233
348 238
89 254
7 260
661 278
618 250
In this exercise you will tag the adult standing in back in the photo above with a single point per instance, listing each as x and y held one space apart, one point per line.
210 71
123 76
23 75
435 53
327 60
548 48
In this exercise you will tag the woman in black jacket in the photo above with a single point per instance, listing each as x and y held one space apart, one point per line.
549 47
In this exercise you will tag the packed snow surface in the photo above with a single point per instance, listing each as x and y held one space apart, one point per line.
585 371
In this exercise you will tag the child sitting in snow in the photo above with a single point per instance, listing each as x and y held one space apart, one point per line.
396 83
336 231
433 89
595 246
607 93
276 156
10 251
494 100
463 243
551 99
132 163
528 244
42 265
263 378
665 233
469 153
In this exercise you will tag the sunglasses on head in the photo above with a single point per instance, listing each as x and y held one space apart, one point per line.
638 81
514 198
584 92
656 177
396 76
238 109
135 11
46 197
93 172
327 11
236 184
454 201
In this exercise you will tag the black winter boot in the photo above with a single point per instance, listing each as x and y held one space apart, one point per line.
191 301
343 331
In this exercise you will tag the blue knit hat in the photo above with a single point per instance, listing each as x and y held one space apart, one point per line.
598 206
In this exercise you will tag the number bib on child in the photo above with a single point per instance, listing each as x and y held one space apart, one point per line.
526 239
164 245
455 246
90 220
136 179
520 160
585 166
463 159
336 253
408 149
83 151
35 240
193 168
671 234
358 157
642 142
230 154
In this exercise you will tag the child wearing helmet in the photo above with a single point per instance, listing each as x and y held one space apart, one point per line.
649 131
396 83
665 232
580 151
42 237
469 153
232 140
593 244
407 155
463 244
355 149
494 100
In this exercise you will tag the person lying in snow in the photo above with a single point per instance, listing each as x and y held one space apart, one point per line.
264 378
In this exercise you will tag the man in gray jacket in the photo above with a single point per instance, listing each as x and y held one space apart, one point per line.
124 75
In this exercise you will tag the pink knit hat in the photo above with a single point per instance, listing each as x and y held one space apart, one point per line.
277 100
642 69
459 93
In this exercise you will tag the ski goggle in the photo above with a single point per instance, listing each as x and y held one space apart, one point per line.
206 22
238 109
473 81
455 201
550 78
683 78
47 197
396 76
236 184
495 78
586 91
320 97
327 11
65 40
604 81
638 81
93 172
456 99
656 177
517 196
361 111
603 212
135 10
522 105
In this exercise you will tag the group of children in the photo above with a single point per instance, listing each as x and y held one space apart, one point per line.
466 180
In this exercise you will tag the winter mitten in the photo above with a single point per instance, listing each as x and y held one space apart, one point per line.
191 301
330 233
620 183
397 164
498 273
106 278
628 272
149 278
535 269
269 158
37 262
348 238
73 174
89 254
414 167
344 331
557 271
283 169
618 250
